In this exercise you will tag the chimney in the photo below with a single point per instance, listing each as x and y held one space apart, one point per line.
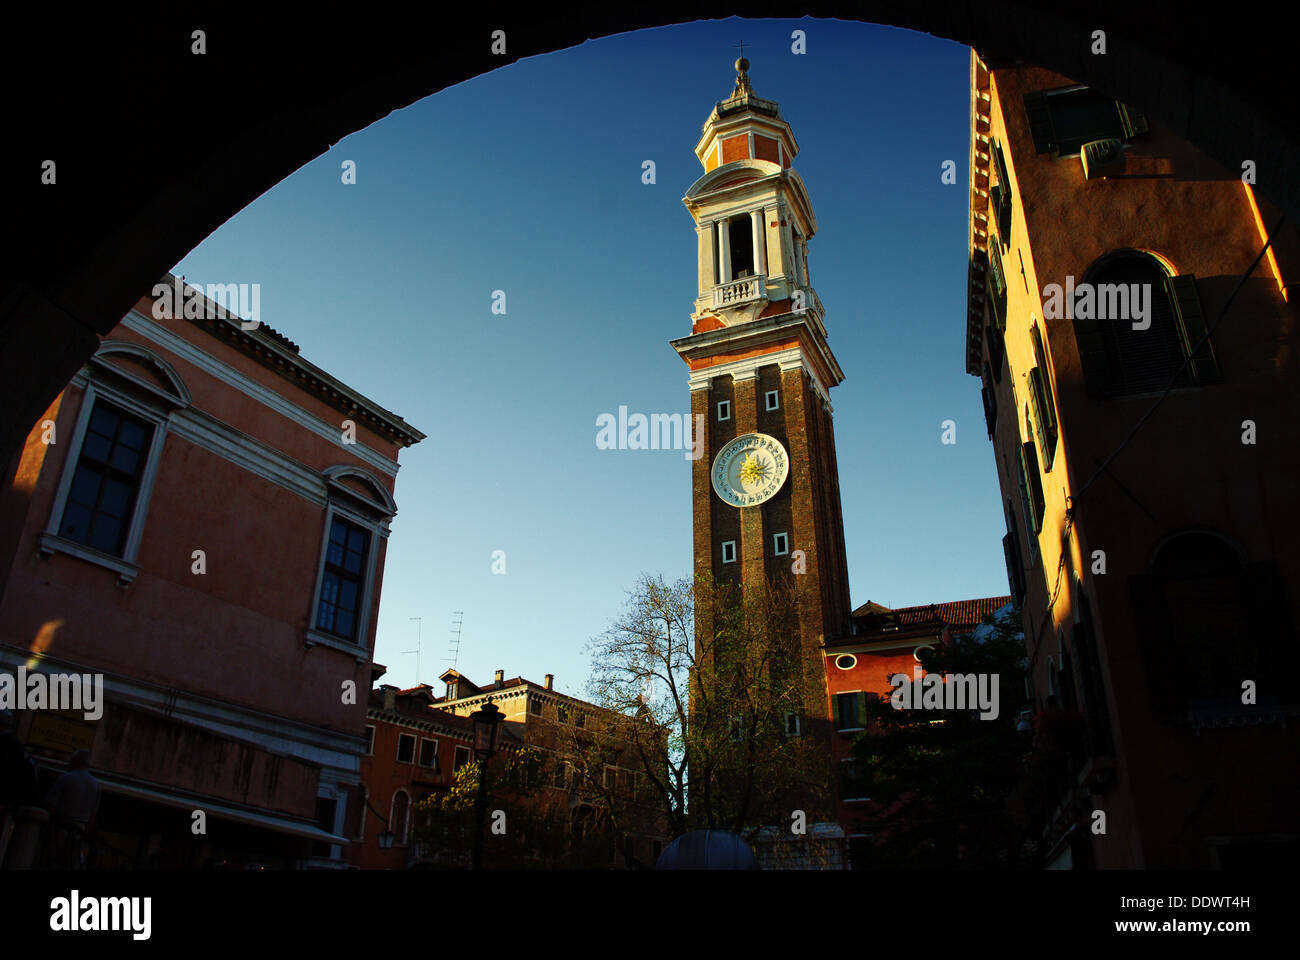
501 677
390 696
550 681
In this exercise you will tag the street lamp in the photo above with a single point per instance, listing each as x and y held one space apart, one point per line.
385 836
487 735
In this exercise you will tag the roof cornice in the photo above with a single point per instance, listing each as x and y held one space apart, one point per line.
277 352
981 108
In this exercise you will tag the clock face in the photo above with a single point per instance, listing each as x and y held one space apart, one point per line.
750 470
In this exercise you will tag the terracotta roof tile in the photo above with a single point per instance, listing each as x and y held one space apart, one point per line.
960 615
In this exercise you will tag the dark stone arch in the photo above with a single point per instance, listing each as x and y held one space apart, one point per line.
157 148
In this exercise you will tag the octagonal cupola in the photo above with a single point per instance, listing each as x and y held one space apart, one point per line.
745 127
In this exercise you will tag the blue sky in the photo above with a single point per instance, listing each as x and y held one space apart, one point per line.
528 180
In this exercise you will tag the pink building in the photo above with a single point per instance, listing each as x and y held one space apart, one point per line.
201 518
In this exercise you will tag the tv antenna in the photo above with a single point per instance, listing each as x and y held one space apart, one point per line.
456 626
418 645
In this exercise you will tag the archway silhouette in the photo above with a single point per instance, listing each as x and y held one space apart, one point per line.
156 146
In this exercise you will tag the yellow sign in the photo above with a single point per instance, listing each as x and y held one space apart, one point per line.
64 731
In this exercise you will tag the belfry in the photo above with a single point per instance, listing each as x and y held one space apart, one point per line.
766 497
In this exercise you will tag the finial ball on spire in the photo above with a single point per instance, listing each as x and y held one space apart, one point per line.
742 65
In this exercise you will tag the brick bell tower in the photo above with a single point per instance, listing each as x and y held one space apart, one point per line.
766 491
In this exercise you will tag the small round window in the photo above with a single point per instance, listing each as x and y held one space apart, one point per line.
846 661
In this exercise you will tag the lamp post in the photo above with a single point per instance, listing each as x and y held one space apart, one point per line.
386 835
487 733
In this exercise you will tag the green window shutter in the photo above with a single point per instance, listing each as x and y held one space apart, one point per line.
861 707
999 286
1033 484
1044 405
1132 120
1040 122
1049 404
1002 197
835 711
1024 487
1040 417
1191 327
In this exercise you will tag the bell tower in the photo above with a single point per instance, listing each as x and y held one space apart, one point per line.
766 491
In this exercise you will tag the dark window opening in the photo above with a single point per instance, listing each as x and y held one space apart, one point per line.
1207 622
997 351
101 500
343 582
406 748
1119 360
1093 691
1062 121
854 780
1000 196
989 396
428 752
740 234
850 710
460 758
997 288
326 807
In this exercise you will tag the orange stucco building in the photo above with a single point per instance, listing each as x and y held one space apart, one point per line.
1138 361
883 642
200 518
418 740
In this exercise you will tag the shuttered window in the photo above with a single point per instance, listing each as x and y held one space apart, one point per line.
1015 565
1062 121
850 710
997 351
997 288
1031 487
1000 196
990 401
1206 621
1040 392
1119 360
1095 707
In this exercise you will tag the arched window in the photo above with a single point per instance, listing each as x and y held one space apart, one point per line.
398 822
130 395
1207 622
1131 289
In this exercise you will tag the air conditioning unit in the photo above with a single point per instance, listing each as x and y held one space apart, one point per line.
1102 158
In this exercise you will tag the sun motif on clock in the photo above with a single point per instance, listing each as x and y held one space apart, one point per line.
750 470
754 470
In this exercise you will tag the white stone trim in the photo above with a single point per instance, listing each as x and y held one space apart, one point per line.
146 327
255 456
747 368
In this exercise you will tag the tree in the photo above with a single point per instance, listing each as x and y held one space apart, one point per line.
707 675
949 793
523 829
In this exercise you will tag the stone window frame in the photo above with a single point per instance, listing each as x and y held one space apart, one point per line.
119 387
